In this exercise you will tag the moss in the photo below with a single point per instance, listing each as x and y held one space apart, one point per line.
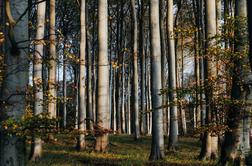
123 150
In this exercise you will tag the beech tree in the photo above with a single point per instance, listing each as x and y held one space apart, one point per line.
173 134
14 87
36 148
52 68
82 82
135 70
157 146
209 143
236 143
103 78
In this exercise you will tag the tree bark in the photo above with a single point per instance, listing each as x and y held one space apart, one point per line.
52 70
82 79
235 147
36 147
210 75
14 87
157 146
173 134
135 70
103 75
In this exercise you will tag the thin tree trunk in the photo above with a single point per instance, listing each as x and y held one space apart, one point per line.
82 80
173 134
52 62
135 71
163 63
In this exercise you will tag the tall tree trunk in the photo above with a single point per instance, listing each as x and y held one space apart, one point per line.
103 75
52 70
82 83
210 75
163 63
12 95
249 4
36 147
90 115
135 71
64 85
173 134
236 145
143 114
157 146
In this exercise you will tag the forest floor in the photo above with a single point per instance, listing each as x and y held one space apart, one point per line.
123 150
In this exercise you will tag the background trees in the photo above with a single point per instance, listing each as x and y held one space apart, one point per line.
101 68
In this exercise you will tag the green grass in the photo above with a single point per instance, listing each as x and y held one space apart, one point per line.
123 150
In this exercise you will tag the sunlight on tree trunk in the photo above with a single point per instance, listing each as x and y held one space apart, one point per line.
103 78
36 147
157 146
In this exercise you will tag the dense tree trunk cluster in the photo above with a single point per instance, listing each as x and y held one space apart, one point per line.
161 68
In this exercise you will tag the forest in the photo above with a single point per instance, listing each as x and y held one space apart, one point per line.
125 82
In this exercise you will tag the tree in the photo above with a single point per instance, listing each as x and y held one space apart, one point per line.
135 70
36 148
210 75
52 68
249 3
82 77
236 141
103 78
173 134
157 146
12 95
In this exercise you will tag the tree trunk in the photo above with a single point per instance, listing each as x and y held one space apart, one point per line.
103 81
135 71
164 64
173 134
157 146
52 70
143 114
235 147
36 147
210 74
12 95
82 83
249 4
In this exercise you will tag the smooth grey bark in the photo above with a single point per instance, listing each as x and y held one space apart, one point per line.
36 146
157 146
197 49
64 87
249 3
123 92
90 115
52 69
173 134
103 75
163 64
81 144
14 87
142 57
209 147
135 70
236 142
180 83
129 103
